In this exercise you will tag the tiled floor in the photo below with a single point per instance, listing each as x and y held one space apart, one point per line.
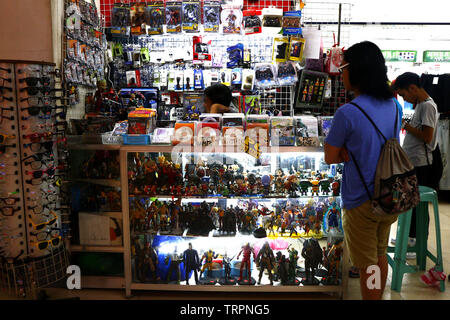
412 289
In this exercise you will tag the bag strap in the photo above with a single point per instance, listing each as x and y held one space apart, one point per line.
360 175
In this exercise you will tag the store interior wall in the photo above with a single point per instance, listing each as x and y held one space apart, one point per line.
26 30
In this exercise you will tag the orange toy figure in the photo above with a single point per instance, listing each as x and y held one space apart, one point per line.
137 216
208 256
315 187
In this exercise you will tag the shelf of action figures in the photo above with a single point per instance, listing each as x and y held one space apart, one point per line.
216 149
213 197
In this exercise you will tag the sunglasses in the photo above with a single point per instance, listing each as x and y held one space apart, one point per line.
36 110
39 173
62 115
42 225
52 180
10 201
4 146
44 235
33 81
3 137
37 163
39 209
6 69
7 109
9 211
32 91
5 88
43 245
10 99
36 137
341 68
47 145
39 100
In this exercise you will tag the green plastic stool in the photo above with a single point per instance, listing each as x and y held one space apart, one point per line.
398 263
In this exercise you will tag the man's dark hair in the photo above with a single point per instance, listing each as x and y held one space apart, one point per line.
219 93
406 79
367 70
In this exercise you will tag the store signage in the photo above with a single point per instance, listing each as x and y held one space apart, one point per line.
399 55
436 56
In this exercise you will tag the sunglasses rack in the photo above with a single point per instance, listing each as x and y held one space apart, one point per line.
12 222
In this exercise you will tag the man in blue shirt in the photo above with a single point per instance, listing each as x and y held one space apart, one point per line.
366 235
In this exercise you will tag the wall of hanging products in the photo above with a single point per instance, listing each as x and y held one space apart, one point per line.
34 220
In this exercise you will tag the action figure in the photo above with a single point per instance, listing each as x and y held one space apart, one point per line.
312 253
325 186
175 261
191 263
227 279
150 262
331 262
265 260
333 216
247 251
304 186
208 257
293 257
315 185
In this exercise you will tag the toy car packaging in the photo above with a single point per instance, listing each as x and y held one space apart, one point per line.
173 16
287 75
291 23
191 15
296 46
265 75
280 49
154 17
137 16
120 15
201 50
252 21
231 19
211 16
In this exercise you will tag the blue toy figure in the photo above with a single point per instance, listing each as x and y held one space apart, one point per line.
333 218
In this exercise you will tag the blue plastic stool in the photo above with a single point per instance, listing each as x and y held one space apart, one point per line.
398 263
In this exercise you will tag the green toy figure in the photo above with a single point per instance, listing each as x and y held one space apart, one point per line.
304 186
325 186
293 257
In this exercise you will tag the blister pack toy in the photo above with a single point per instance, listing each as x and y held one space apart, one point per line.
231 20
154 17
191 16
211 16
120 15
173 16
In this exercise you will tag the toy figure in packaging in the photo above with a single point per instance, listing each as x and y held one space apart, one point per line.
120 16
173 16
211 16
231 19
265 260
191 15
155 17
313 255
137 14
191 263
247 251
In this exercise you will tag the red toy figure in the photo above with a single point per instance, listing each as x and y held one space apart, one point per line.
247 252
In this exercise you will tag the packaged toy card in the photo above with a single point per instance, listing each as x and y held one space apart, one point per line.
296 47
173 16
137 16
211 16
280 49
231 19
191 15
120 15
252 21
154 17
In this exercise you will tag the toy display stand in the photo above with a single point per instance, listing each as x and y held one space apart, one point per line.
247 282
231 281
310 282
330 281
207 281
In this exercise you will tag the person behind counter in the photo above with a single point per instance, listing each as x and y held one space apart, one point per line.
218 99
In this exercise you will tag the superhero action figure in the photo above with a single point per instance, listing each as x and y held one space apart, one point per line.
333 216
208 257
247 251
265 260
331 261
191 263
174 267
227 279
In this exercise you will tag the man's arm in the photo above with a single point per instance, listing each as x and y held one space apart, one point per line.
425 134
334 154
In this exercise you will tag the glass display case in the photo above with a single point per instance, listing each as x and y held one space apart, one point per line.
216 219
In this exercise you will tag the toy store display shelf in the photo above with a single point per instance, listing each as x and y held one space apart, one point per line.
96 248
170 197
216 149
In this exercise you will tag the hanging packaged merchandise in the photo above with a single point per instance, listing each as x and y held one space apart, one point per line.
198 79
236 76
291 23
334 58
248 79
188 80
117 50
137 17
287 75
179 80
173 16
154 17
235 55
200 49
252 21
252 104
282 131
191 15
133 78
272 18
128 55
231 19
211 15
296 46
120 15
225 77
145 55
280 49
265 75
247 62
306 131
